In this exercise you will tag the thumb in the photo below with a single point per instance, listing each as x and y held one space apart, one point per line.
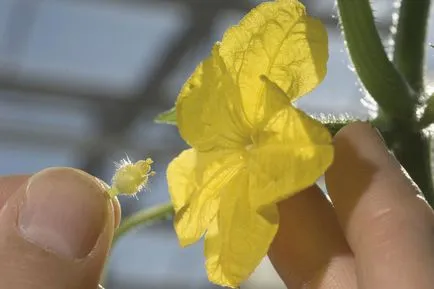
55 232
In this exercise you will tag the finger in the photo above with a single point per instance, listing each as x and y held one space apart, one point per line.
9 185
116 211
309 250
389 228
55 231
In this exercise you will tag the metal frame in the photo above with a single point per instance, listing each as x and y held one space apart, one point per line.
114 114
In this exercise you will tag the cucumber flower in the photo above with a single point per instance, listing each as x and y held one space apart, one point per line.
250 147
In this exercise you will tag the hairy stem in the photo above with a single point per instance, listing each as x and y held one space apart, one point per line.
412 149
377 73
410 41
144 217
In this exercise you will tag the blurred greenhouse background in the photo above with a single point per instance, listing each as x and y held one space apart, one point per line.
82 80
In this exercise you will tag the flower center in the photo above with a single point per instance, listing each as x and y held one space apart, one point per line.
248 147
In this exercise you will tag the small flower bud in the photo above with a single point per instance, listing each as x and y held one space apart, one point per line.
130 178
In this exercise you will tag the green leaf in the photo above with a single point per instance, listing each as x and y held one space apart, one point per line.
167 117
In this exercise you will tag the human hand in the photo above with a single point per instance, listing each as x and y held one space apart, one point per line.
378 234
56 229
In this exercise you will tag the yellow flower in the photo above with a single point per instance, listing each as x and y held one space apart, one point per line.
250 147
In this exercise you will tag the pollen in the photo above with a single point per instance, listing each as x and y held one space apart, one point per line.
130 178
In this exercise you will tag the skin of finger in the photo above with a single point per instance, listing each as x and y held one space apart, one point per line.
9 184
388 227
309 250
116 211
26 266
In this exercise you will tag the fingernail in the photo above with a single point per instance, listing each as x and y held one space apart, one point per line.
64 211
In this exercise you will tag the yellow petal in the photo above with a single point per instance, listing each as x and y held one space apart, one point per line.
180 174
194 181
208 108
238 237
271 101
290 154
278 40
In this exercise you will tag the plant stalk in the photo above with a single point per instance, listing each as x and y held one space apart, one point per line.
379 76
413 151
410 41
413 147
143 217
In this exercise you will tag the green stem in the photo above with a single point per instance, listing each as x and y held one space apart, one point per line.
413 147
410 41
428 115
142 218
377 73
335 126
413 150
